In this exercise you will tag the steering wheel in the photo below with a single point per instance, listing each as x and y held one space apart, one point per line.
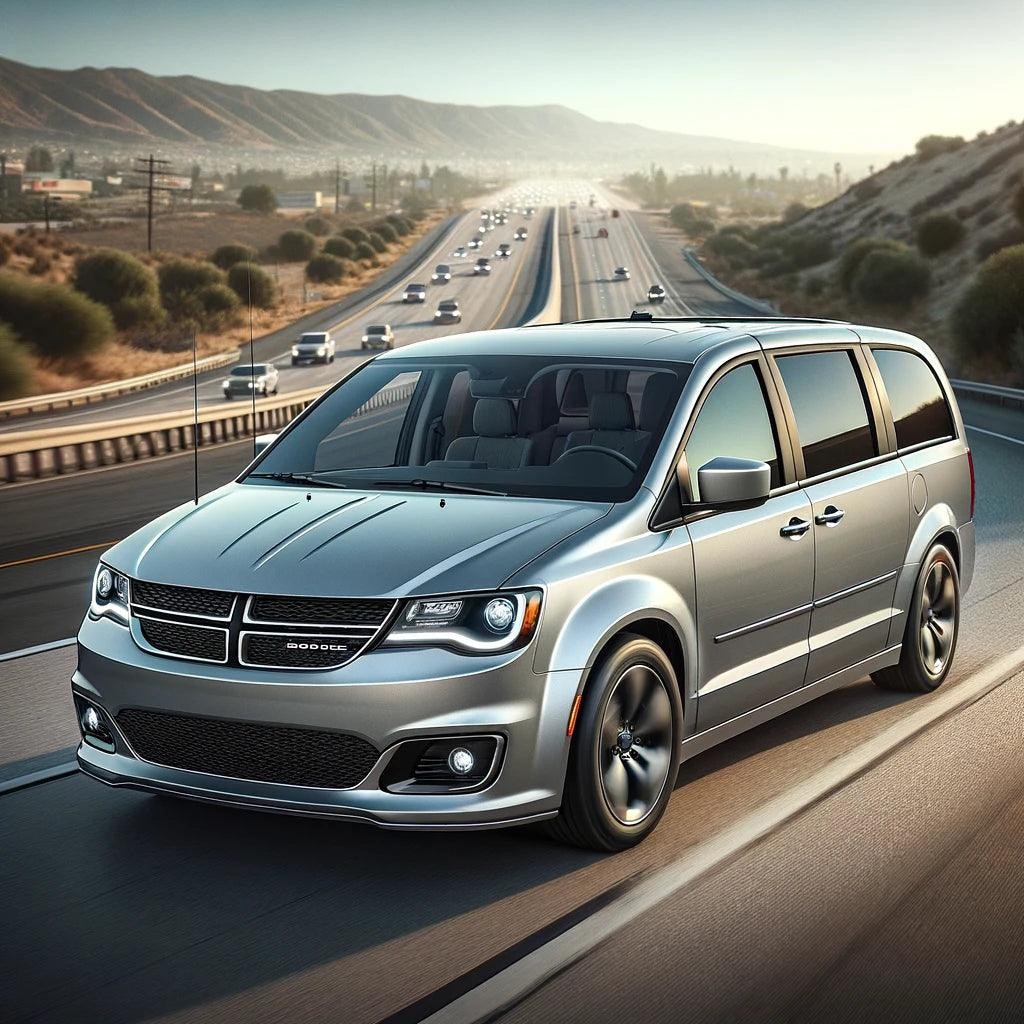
618 456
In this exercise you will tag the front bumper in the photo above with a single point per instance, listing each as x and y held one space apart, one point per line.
383 697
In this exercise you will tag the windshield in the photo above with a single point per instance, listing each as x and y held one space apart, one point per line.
376 329
312 339
539 426
248 371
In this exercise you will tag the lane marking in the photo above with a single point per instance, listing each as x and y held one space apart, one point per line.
509 986
38 649
57 554
992 433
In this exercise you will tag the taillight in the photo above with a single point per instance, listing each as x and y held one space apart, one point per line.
974 486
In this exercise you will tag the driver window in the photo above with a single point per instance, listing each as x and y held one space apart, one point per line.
734 422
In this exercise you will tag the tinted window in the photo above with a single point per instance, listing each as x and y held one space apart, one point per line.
918 406
733 421
831 414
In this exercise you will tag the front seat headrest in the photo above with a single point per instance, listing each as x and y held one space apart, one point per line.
494 417
611 410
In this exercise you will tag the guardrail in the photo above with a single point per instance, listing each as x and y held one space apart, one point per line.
55 451
992 393
550 307
756 305
100 392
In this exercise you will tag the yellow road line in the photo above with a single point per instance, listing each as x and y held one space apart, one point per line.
57 554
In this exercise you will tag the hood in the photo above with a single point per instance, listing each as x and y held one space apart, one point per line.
266 539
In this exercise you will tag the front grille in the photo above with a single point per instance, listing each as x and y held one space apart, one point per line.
284 650
185 641
184 600
317 610
254 751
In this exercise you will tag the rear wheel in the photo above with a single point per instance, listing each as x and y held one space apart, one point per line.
625 750
933 626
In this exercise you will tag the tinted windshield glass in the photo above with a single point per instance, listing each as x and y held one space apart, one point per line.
248 371
376 329
541 426
312 339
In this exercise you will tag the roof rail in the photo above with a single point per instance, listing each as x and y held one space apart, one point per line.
645 317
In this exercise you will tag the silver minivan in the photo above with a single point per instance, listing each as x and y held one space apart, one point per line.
520 575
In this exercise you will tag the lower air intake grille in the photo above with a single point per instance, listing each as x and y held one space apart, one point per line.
248 750
185 641
184 600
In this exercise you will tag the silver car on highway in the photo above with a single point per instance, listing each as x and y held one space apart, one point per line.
521 575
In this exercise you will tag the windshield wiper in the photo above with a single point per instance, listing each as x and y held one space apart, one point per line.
299 478
439 485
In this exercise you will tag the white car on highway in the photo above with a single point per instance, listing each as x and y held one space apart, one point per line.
621 274
519 235
448 312
313 347
415 293
474 243
482 265
243 380
378 336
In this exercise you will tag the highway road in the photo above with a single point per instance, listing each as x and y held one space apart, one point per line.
888 891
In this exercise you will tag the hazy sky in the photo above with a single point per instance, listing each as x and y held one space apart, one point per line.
870 75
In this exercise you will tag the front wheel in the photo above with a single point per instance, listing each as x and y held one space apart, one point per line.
933 626
624 756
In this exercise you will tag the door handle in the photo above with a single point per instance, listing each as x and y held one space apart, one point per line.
795 528
830 517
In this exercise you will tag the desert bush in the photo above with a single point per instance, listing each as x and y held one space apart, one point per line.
807 249
378 243
387 232
1018 204
52 319
989 318
260 198
318 226
867 190
743 230
326 269
180 283
250 280
849 262
400 224
226 256
5 255
938 233
42 264
686 216
793 213
365 251
218 302
934 145
730 244
295 245
125 286
340 247
15 372
26 245
355 235
891 279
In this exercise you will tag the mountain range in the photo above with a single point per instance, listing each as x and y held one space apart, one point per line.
125 105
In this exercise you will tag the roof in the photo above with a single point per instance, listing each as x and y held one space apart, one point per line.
676 339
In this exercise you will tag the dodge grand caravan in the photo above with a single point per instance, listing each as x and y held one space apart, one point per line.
521 575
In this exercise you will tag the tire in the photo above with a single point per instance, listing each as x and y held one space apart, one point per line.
295 361
932 631
610 802
332 358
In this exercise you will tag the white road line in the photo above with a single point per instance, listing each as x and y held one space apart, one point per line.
992 433
38 649
511 985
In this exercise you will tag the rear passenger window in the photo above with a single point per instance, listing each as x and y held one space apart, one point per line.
733 421
831 414
919 407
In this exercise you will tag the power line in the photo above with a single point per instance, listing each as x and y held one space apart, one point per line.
152 169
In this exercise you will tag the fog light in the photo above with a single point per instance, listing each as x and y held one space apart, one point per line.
461 761
91 721
104 583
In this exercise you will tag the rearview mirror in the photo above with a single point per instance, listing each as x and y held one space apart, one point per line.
733 483
264 441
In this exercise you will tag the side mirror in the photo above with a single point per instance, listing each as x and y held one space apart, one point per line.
264 441
733 483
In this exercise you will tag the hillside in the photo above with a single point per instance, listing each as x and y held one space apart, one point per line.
125 105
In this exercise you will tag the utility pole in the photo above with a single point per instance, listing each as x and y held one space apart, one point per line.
151 168
337 185
373 193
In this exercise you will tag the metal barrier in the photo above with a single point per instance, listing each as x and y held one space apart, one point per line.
56 451
755 305
992 393
101 392
550 302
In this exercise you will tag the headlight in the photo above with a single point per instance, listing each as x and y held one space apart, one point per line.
226 385
321 351
437 312
472 623
109 594
295 350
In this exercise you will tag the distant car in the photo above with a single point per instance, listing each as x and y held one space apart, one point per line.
474 243
313 347
575 229
460 253
415 293
656 293
442 274
503 251
519 235
482 266
243 380
447 312
378 336
621 274
615 213
529 212
602 232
